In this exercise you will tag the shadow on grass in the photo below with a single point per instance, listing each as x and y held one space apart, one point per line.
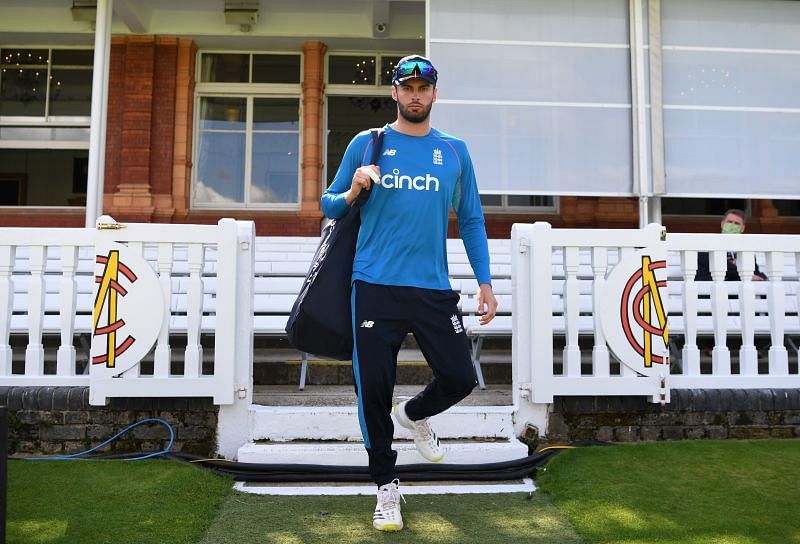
506 518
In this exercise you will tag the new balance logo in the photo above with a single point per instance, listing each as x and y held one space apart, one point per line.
456 324
390 152
367 324
437 157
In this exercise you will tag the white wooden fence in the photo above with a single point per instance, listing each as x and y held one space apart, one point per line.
557 277
562 301
47 279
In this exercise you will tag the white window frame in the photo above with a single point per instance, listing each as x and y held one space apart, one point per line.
249 91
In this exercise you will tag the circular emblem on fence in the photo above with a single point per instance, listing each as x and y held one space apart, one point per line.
634 312
128 309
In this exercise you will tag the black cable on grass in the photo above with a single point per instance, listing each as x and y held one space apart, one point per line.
265 472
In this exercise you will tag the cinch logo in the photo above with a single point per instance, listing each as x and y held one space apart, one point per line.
416 183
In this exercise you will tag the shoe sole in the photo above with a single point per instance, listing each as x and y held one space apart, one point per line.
397 418
389 528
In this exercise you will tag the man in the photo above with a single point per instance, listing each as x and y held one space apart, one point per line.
732 223
400 277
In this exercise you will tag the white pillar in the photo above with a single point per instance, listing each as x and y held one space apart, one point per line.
97 131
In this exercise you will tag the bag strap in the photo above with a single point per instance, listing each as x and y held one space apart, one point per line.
377 144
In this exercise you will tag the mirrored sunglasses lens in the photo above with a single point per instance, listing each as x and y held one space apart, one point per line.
410 68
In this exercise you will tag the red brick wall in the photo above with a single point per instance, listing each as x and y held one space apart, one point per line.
162 124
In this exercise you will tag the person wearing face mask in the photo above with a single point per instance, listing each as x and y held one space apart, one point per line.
732 223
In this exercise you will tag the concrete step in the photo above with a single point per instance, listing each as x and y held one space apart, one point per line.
287 423
353 453
523 485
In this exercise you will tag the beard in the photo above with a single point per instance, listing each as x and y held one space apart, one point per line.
414 117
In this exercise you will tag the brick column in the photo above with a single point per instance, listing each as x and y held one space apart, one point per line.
182 146
162 127
313 87
133 200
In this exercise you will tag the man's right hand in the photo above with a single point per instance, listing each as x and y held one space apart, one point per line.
362 179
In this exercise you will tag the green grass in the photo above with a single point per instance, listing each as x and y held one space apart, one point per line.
731 492
440 519
704 492
114 502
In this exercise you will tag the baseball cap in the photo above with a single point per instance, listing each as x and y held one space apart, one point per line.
414 66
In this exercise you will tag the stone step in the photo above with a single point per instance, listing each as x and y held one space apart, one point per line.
410 370
340 423
344 395
353 453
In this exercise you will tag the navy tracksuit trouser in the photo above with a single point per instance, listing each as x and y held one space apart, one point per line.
383 315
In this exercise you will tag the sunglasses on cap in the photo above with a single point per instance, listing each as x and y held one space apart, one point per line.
414 66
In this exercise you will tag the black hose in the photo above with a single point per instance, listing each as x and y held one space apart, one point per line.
261 472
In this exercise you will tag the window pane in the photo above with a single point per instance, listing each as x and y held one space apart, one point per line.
41 134
276 68
351 70
275 168
553 150
223 113
729 70
23 91
276 114
701 206
23 57
531 20
387 69
529 200
43 177
70 92
788 207
551 102
73 57
551 74
700 78
766 24
225 68
220 173
349 115
492 200
732 153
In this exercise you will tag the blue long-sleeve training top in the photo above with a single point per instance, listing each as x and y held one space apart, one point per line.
403 237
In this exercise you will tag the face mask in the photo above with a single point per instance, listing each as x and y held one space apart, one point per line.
730 228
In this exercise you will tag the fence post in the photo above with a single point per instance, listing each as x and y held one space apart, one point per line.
541 326
233 424
3 471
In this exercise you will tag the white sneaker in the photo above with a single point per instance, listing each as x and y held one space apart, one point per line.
387 515
425 439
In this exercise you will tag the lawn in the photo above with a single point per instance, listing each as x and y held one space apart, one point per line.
730 492
110 502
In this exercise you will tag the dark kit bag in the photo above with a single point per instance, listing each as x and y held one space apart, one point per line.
321 322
